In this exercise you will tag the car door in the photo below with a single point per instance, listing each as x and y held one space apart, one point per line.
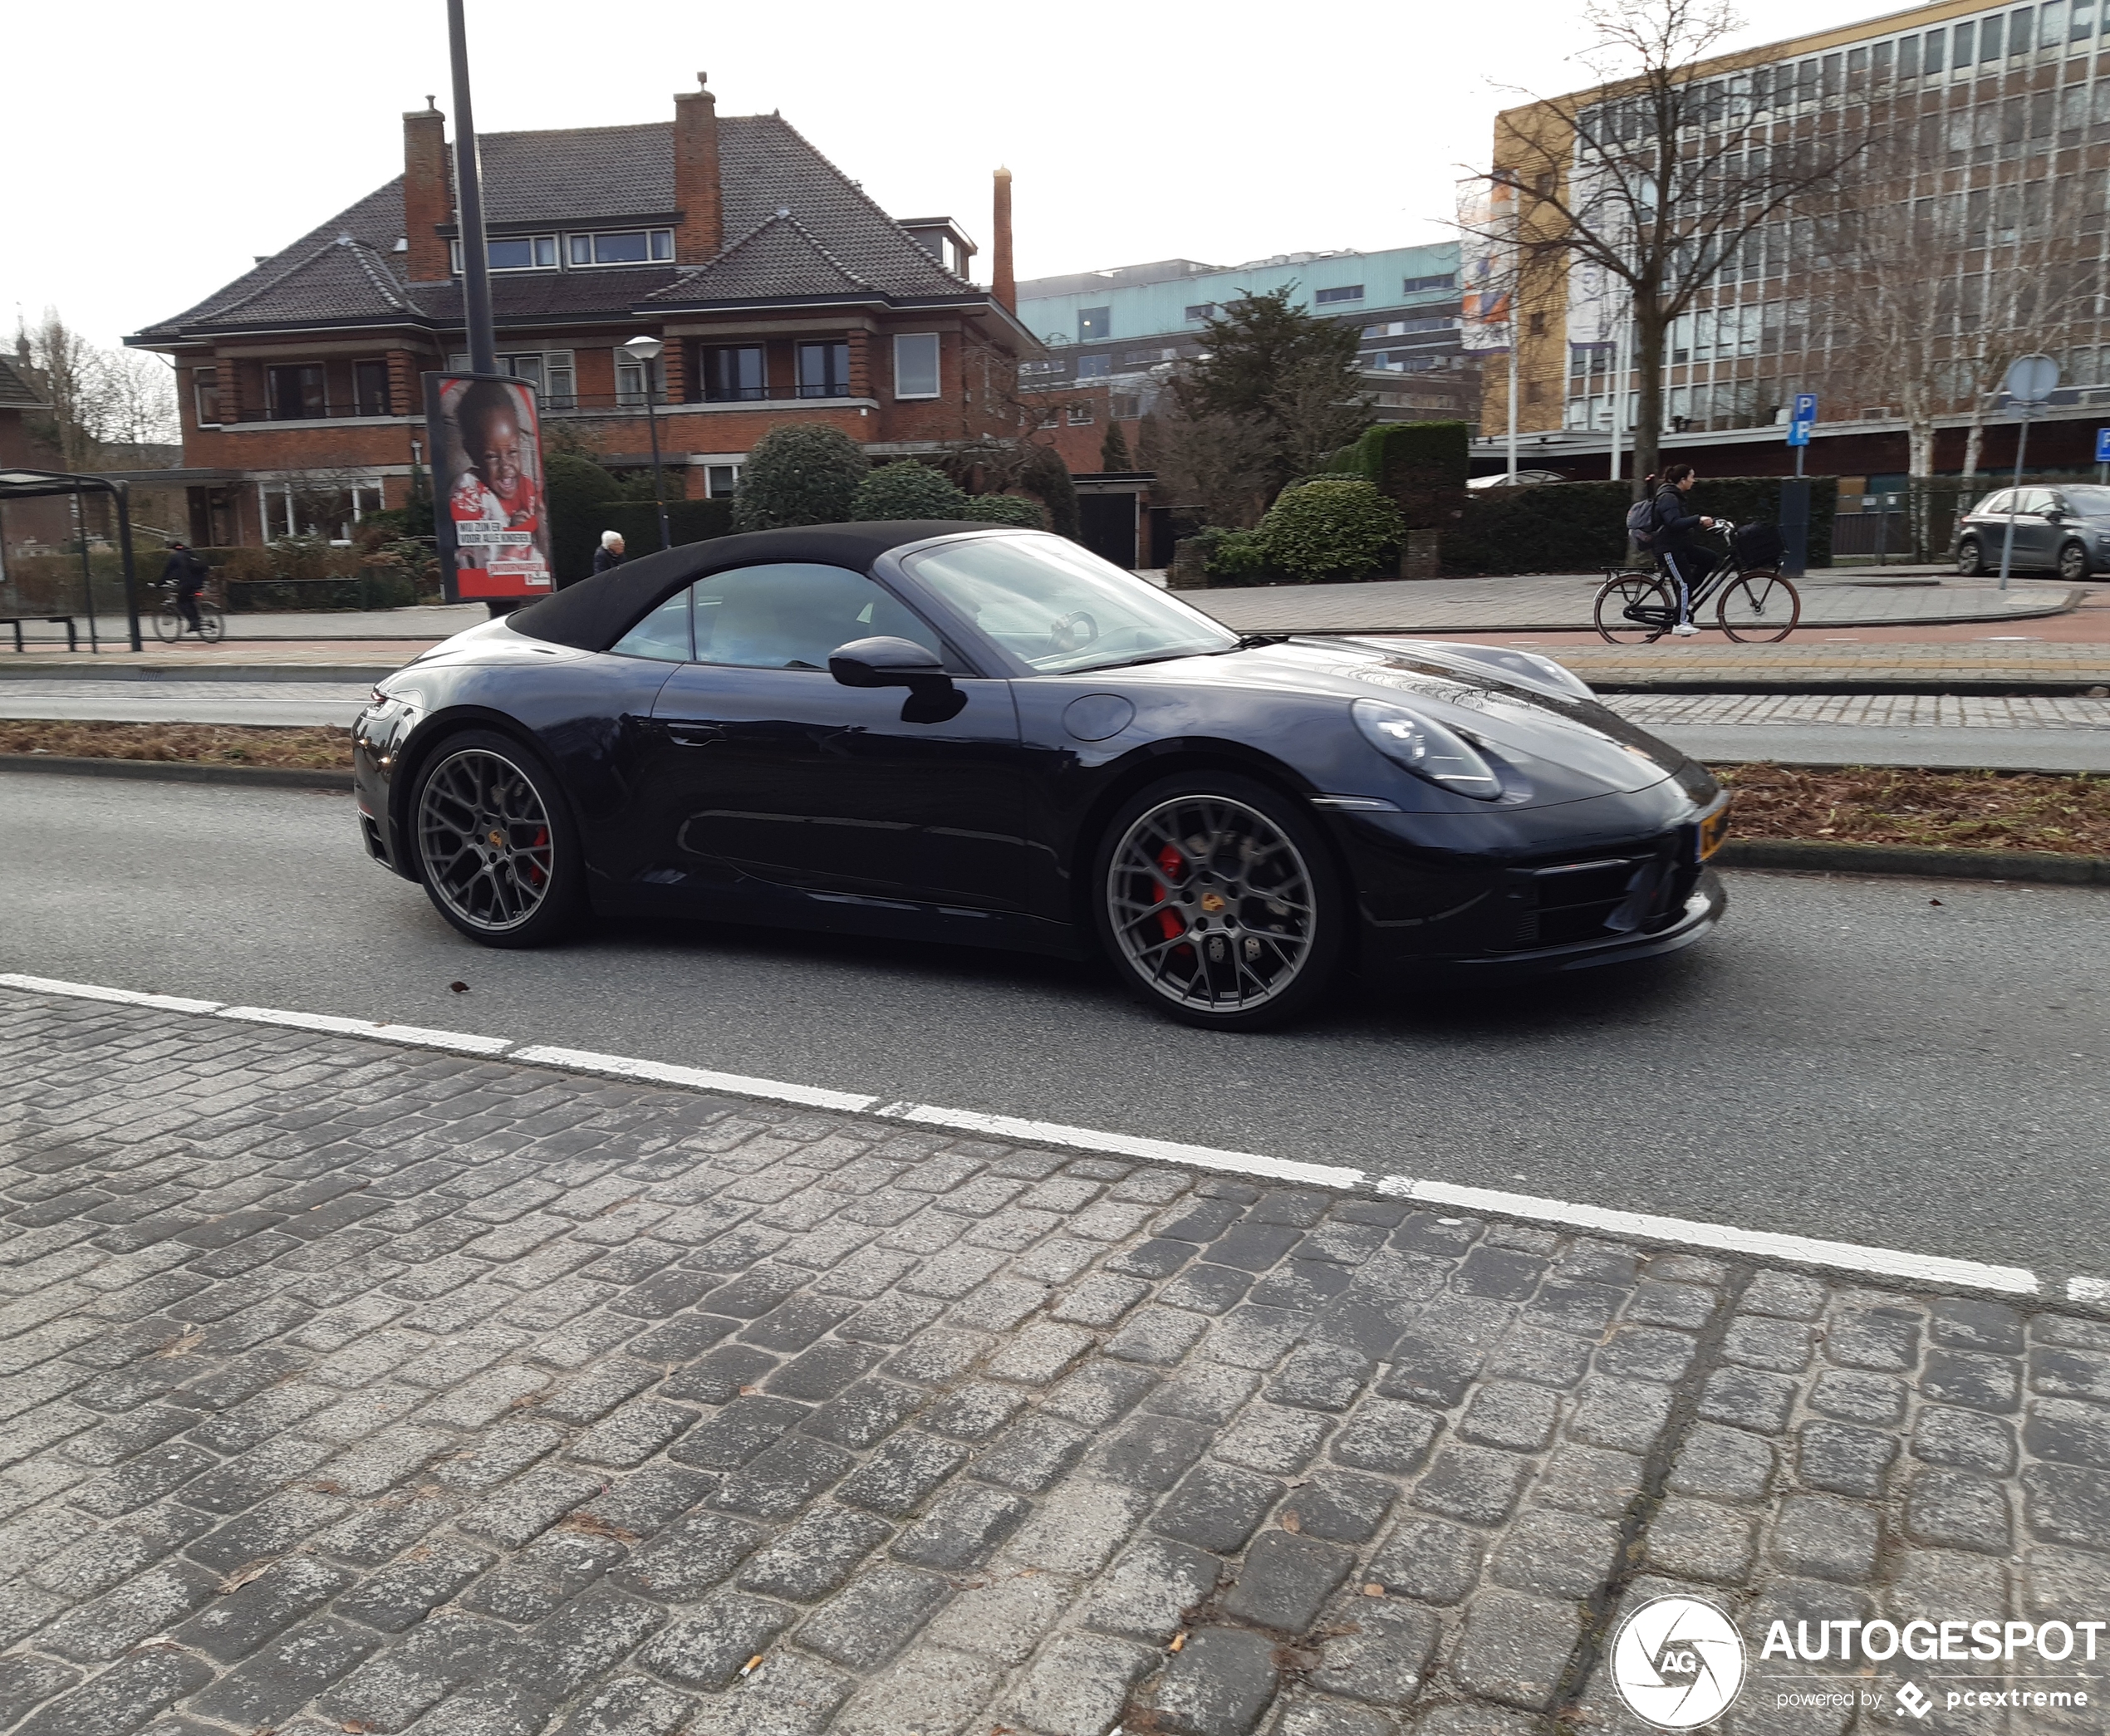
769 773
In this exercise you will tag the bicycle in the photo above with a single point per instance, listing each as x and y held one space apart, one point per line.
1755 605
169 625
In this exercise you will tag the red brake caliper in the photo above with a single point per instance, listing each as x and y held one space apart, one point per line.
1170 923
534 869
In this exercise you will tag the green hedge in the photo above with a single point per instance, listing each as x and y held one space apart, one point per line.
1422 466
1581 527
688 520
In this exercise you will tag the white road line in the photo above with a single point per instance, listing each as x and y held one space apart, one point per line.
1126 1144
416 1036
659 1073
1766 1244
1645 1226
92 991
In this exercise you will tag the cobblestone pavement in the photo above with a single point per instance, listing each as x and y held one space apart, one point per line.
1805 665
1906 711
359 1388
1552 601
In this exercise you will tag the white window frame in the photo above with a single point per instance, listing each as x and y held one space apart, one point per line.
906 372
1335 295
198 389
734 465
557 253
654 238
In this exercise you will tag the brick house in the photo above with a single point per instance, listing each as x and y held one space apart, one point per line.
782 291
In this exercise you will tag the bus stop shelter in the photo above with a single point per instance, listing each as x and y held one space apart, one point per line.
16 483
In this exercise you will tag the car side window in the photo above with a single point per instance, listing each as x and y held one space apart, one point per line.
2037 500
1996 502
791 614
663 634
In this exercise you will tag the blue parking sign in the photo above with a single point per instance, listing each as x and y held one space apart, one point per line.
2103 446
1803 419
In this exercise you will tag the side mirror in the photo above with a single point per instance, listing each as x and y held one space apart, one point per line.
885 662
2053 515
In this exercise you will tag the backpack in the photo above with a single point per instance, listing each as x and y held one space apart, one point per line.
1642 525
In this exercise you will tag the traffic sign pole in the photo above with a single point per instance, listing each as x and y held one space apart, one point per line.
2030 381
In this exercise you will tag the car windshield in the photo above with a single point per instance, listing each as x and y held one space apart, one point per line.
1059 608
2088 503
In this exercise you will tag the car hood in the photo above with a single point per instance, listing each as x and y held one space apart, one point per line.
1493 696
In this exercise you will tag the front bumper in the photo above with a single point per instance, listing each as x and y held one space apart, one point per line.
1704 907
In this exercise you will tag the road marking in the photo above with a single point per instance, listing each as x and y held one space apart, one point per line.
1126 1144
416 1036
1728 1239
659 1073
1645 1226
92 991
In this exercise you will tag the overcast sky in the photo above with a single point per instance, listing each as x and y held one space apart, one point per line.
154 148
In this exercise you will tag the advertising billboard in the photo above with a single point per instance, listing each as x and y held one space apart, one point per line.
492 522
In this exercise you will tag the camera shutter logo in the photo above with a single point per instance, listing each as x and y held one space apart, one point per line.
1678 1662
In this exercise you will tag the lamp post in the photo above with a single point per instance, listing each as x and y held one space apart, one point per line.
646 351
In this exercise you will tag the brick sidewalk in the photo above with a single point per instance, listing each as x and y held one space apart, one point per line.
353 1388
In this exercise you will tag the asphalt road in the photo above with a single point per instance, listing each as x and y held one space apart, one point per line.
1846 1058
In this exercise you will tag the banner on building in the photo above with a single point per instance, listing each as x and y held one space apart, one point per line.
492 519
1486 265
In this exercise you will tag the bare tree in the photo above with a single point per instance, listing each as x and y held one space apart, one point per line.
1660 174
1221 462
96 399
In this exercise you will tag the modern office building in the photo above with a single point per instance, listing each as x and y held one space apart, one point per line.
1111 335
1979 187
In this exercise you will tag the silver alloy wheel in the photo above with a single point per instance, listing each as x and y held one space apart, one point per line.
485 840
1211 904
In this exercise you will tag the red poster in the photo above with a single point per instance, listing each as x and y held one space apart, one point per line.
492 522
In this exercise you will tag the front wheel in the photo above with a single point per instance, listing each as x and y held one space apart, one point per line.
1219 903
1759 608
2072 563
1634 609
1970 559
168 624
497 849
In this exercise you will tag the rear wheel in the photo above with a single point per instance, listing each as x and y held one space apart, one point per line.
212 624
1634 609
1759 608
2072 563
496 848
1970 559
1218 902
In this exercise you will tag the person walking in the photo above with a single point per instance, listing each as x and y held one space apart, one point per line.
1685 565
611 551
185 573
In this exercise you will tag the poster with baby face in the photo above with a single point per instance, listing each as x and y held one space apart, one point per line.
492 524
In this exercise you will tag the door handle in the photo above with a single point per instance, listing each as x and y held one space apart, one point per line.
694 735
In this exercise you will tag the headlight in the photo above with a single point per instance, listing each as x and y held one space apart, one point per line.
1426 748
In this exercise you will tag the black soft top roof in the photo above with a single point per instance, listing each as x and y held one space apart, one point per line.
593 613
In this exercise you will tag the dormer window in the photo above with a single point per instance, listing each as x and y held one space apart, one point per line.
621 247
513 253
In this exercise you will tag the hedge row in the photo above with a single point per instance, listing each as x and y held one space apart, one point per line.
1581 526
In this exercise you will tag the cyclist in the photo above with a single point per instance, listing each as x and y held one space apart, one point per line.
1674 527
184 574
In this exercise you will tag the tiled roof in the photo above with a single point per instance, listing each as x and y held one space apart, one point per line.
16 392
833 239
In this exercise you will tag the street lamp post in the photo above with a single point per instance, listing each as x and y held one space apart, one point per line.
646 350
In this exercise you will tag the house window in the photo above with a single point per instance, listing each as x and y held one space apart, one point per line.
1080 415
297 394
1442 280
1345 293
621 247
1539 325
630 383
824 371
205 390
735 374
549 371
1094 367
1094 322
916 364
513 253
1124 409
1202 311
721 481
369 388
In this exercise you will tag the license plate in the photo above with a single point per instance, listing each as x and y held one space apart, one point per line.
1713 829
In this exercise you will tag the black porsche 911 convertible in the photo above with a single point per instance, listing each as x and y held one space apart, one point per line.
988 735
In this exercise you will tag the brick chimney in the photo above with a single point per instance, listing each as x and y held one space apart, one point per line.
1003 282
428 195
696 191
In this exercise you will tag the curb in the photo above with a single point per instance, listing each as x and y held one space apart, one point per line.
2036 867
181 771
365 674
